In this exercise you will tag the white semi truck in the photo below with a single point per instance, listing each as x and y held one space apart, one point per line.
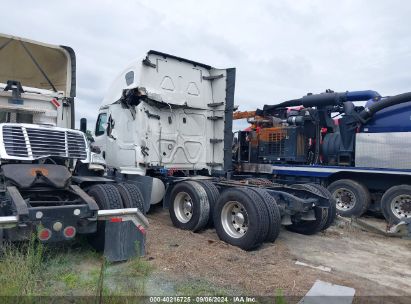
165 125
49 179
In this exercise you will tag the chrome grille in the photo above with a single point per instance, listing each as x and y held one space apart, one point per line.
32 143
14 141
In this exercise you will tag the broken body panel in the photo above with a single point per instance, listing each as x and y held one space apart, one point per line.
176 116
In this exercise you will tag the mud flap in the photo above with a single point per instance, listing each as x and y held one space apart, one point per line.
125 233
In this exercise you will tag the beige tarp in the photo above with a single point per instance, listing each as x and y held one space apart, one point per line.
16 64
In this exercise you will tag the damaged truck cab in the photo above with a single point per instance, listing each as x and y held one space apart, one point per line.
165 126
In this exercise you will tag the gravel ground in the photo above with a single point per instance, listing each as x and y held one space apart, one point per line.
372 264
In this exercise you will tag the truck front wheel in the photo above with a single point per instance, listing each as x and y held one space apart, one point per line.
189 206
352 198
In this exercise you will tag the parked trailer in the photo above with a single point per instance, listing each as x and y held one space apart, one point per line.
51 181
361 156
165 126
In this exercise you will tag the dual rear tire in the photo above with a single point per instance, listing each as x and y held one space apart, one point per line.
243 217
113 196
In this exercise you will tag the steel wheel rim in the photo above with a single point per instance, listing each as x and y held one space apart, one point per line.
234 219
401 206
345 199
183 207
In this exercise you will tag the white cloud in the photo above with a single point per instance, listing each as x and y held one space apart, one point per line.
281 49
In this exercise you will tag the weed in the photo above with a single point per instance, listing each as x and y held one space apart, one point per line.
20 268
279 297
70 279
139 267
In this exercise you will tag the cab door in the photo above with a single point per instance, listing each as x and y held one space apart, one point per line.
100 133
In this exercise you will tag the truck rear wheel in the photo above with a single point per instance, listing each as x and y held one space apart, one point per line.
189 206
213 194
274 216
240 218
309 227
332 210
131 196
106 197
396 204
352 198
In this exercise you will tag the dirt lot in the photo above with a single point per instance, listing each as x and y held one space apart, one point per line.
370 263
189 264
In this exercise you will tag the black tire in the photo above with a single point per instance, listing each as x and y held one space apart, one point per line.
310 227
332 210
213 194
197 199
256 215
106 197
350 190
396 204
131 196
274 216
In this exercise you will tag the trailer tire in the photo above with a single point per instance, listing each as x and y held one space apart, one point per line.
356 193
396 204
332 210
131 196
274 216
213 194
189 206
241 207
107 197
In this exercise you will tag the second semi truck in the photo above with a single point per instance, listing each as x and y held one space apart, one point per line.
165 125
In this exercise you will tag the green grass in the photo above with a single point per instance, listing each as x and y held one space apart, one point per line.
139 267
71 279
32 269
20 268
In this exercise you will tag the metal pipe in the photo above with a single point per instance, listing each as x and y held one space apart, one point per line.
8 220
388 102
106 214
325 99
113 212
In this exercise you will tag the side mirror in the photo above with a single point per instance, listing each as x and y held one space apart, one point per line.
83 125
